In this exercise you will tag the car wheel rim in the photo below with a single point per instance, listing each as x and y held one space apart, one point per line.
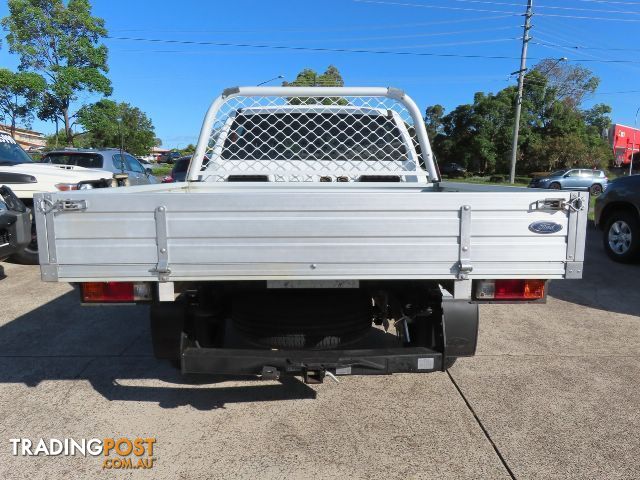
620 237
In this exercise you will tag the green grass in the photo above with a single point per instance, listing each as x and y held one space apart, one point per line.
592 203
484 181
161 170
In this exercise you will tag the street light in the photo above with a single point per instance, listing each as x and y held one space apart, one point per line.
561 59
270 80
633 144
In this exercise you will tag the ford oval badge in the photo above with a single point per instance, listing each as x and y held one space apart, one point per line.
545 227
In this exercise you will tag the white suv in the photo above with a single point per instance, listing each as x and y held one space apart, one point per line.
25 178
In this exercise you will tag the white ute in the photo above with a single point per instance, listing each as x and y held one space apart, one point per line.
27 178
312 237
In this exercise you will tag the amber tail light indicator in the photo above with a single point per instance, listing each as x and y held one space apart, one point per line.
510 289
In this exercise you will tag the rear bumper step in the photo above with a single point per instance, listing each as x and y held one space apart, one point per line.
274 363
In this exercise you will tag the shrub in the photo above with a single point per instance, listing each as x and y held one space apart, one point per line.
538 174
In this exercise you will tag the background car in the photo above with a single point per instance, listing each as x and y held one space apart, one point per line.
617 214
179 170
27 178
113 160
145 163
169 157
453 170
595 181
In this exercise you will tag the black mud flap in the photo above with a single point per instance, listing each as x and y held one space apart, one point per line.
460 320
167 321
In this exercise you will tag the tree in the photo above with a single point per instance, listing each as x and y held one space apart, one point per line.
572 83
63 43
598 117
50 106
554 132
309 78
433 120
20 94
477 135
111 124
331 78
189 149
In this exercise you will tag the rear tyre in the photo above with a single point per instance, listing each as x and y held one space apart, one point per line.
555 186
621 238
302 319
29 256
202 323
595 189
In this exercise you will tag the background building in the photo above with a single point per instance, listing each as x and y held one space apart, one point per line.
27 139
625 142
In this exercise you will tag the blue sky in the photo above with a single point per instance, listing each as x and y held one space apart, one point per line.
175 83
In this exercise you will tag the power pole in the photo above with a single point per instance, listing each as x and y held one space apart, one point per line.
521 72
633 144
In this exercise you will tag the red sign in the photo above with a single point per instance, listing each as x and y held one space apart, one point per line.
625 142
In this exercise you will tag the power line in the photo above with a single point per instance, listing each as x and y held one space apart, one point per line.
549 7
418 35
347 50
618 93
312 49
609 2
592 59
440 7
421 5
585 17
582 47
454 44
595 59
569 34
545 83
349 28
555 37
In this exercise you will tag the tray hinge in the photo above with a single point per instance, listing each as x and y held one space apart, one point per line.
47 206
464 247
162 268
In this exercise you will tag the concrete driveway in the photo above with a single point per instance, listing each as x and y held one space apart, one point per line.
554 392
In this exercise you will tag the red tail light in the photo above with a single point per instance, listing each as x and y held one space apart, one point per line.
510 289
115 292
